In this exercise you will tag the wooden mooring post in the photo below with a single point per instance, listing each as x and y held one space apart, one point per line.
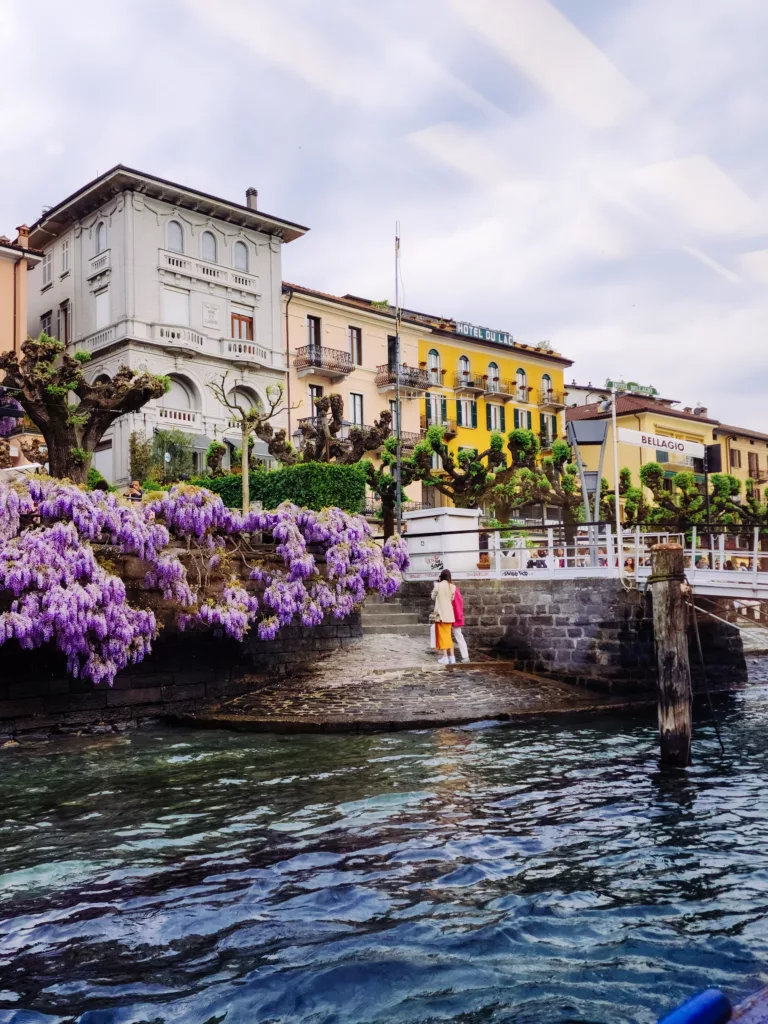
674 680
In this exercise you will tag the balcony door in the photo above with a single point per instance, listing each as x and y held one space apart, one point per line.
242 327
391 352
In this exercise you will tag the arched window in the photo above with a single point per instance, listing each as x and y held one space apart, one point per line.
241 256
181 395
175 236
521 379
101 237
246 399
433 366
546 386
464 366
208 247
493 376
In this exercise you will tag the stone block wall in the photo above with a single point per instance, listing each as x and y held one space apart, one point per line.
590 632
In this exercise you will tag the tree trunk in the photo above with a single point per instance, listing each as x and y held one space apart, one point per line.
674 681
388 514
62 462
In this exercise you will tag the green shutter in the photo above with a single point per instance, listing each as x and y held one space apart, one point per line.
487 416
428 408
517 419
458 413
474 414
503 420
543 422
444 409
554 426
530 420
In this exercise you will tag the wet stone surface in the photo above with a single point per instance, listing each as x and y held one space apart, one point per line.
394 682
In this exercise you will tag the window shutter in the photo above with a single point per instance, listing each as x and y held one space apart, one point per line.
458 413
517 419
444 409
543 422
530 420
428 407
487 416
474 414
503 419
554 426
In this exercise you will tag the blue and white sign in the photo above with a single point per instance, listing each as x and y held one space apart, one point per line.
484 333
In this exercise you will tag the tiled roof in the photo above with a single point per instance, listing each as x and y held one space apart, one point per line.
628 404
19 248
726 428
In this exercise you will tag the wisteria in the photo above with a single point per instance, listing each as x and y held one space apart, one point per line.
266 569
8 404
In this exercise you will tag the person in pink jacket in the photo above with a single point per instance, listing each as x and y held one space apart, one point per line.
458 622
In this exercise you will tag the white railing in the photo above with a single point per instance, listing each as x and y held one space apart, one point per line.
187 417
245 351
177 337
98 264
98 340
178 263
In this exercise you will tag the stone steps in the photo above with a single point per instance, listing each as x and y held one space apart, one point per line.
378 630
388 618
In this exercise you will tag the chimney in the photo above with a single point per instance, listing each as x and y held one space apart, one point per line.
22 236
700 410
687 408
252 198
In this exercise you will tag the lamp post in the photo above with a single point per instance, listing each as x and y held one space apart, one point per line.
617 506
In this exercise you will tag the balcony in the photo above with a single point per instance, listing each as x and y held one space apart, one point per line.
178 339
183 419
469 383
411 379
495 387
449 427
245 352
550 399
521 393
98 340
317 421
760 476
546 440
332 363
99 264
410 438
180 265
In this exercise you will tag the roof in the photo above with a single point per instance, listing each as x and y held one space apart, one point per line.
21 249
726 428
125 179
434 324
629 404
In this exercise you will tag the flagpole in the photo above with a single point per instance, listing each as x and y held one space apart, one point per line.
398 416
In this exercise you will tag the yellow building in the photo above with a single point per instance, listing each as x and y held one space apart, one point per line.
745 456
16 258
481 380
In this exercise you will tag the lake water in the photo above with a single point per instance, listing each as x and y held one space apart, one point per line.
545 872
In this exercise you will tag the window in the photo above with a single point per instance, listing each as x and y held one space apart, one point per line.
175 236
242 327
175 306
241 256
437 462
315 391
466 412
523 419
493 377
355 336
101 237
754 463
735 458
464 366
393 411
47 268
313 331
65 256
521 380
46 323
495 418
208 247
392 352
62 326
546 384
548 427
356 409
433 366
102 308
436 408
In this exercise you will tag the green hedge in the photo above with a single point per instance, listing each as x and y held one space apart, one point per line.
311 485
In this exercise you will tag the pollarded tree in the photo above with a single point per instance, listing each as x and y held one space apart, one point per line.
71 414
468 476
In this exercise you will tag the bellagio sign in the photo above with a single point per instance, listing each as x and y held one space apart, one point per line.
673 445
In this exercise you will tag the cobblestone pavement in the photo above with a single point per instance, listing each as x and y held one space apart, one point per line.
393 682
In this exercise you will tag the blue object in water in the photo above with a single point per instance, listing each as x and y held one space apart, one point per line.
709 1007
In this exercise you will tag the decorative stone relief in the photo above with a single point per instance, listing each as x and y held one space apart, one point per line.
211 314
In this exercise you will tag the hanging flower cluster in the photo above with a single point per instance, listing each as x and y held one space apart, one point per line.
55 589
8 423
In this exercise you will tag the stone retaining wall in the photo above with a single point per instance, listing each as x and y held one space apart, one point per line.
589 632
186 672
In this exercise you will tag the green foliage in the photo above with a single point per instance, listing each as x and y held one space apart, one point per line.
314 485
140 455
179 447
79 455
83 357
94 477
214 456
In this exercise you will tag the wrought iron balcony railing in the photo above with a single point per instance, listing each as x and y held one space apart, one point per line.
326 360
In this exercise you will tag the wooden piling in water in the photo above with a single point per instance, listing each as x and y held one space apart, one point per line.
674 671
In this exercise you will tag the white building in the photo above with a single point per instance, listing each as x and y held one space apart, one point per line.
142 272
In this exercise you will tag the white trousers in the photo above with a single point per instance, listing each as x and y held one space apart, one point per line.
458 639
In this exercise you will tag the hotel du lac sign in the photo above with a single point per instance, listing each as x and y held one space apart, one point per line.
484 333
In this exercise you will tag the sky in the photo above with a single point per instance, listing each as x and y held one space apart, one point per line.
589 172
